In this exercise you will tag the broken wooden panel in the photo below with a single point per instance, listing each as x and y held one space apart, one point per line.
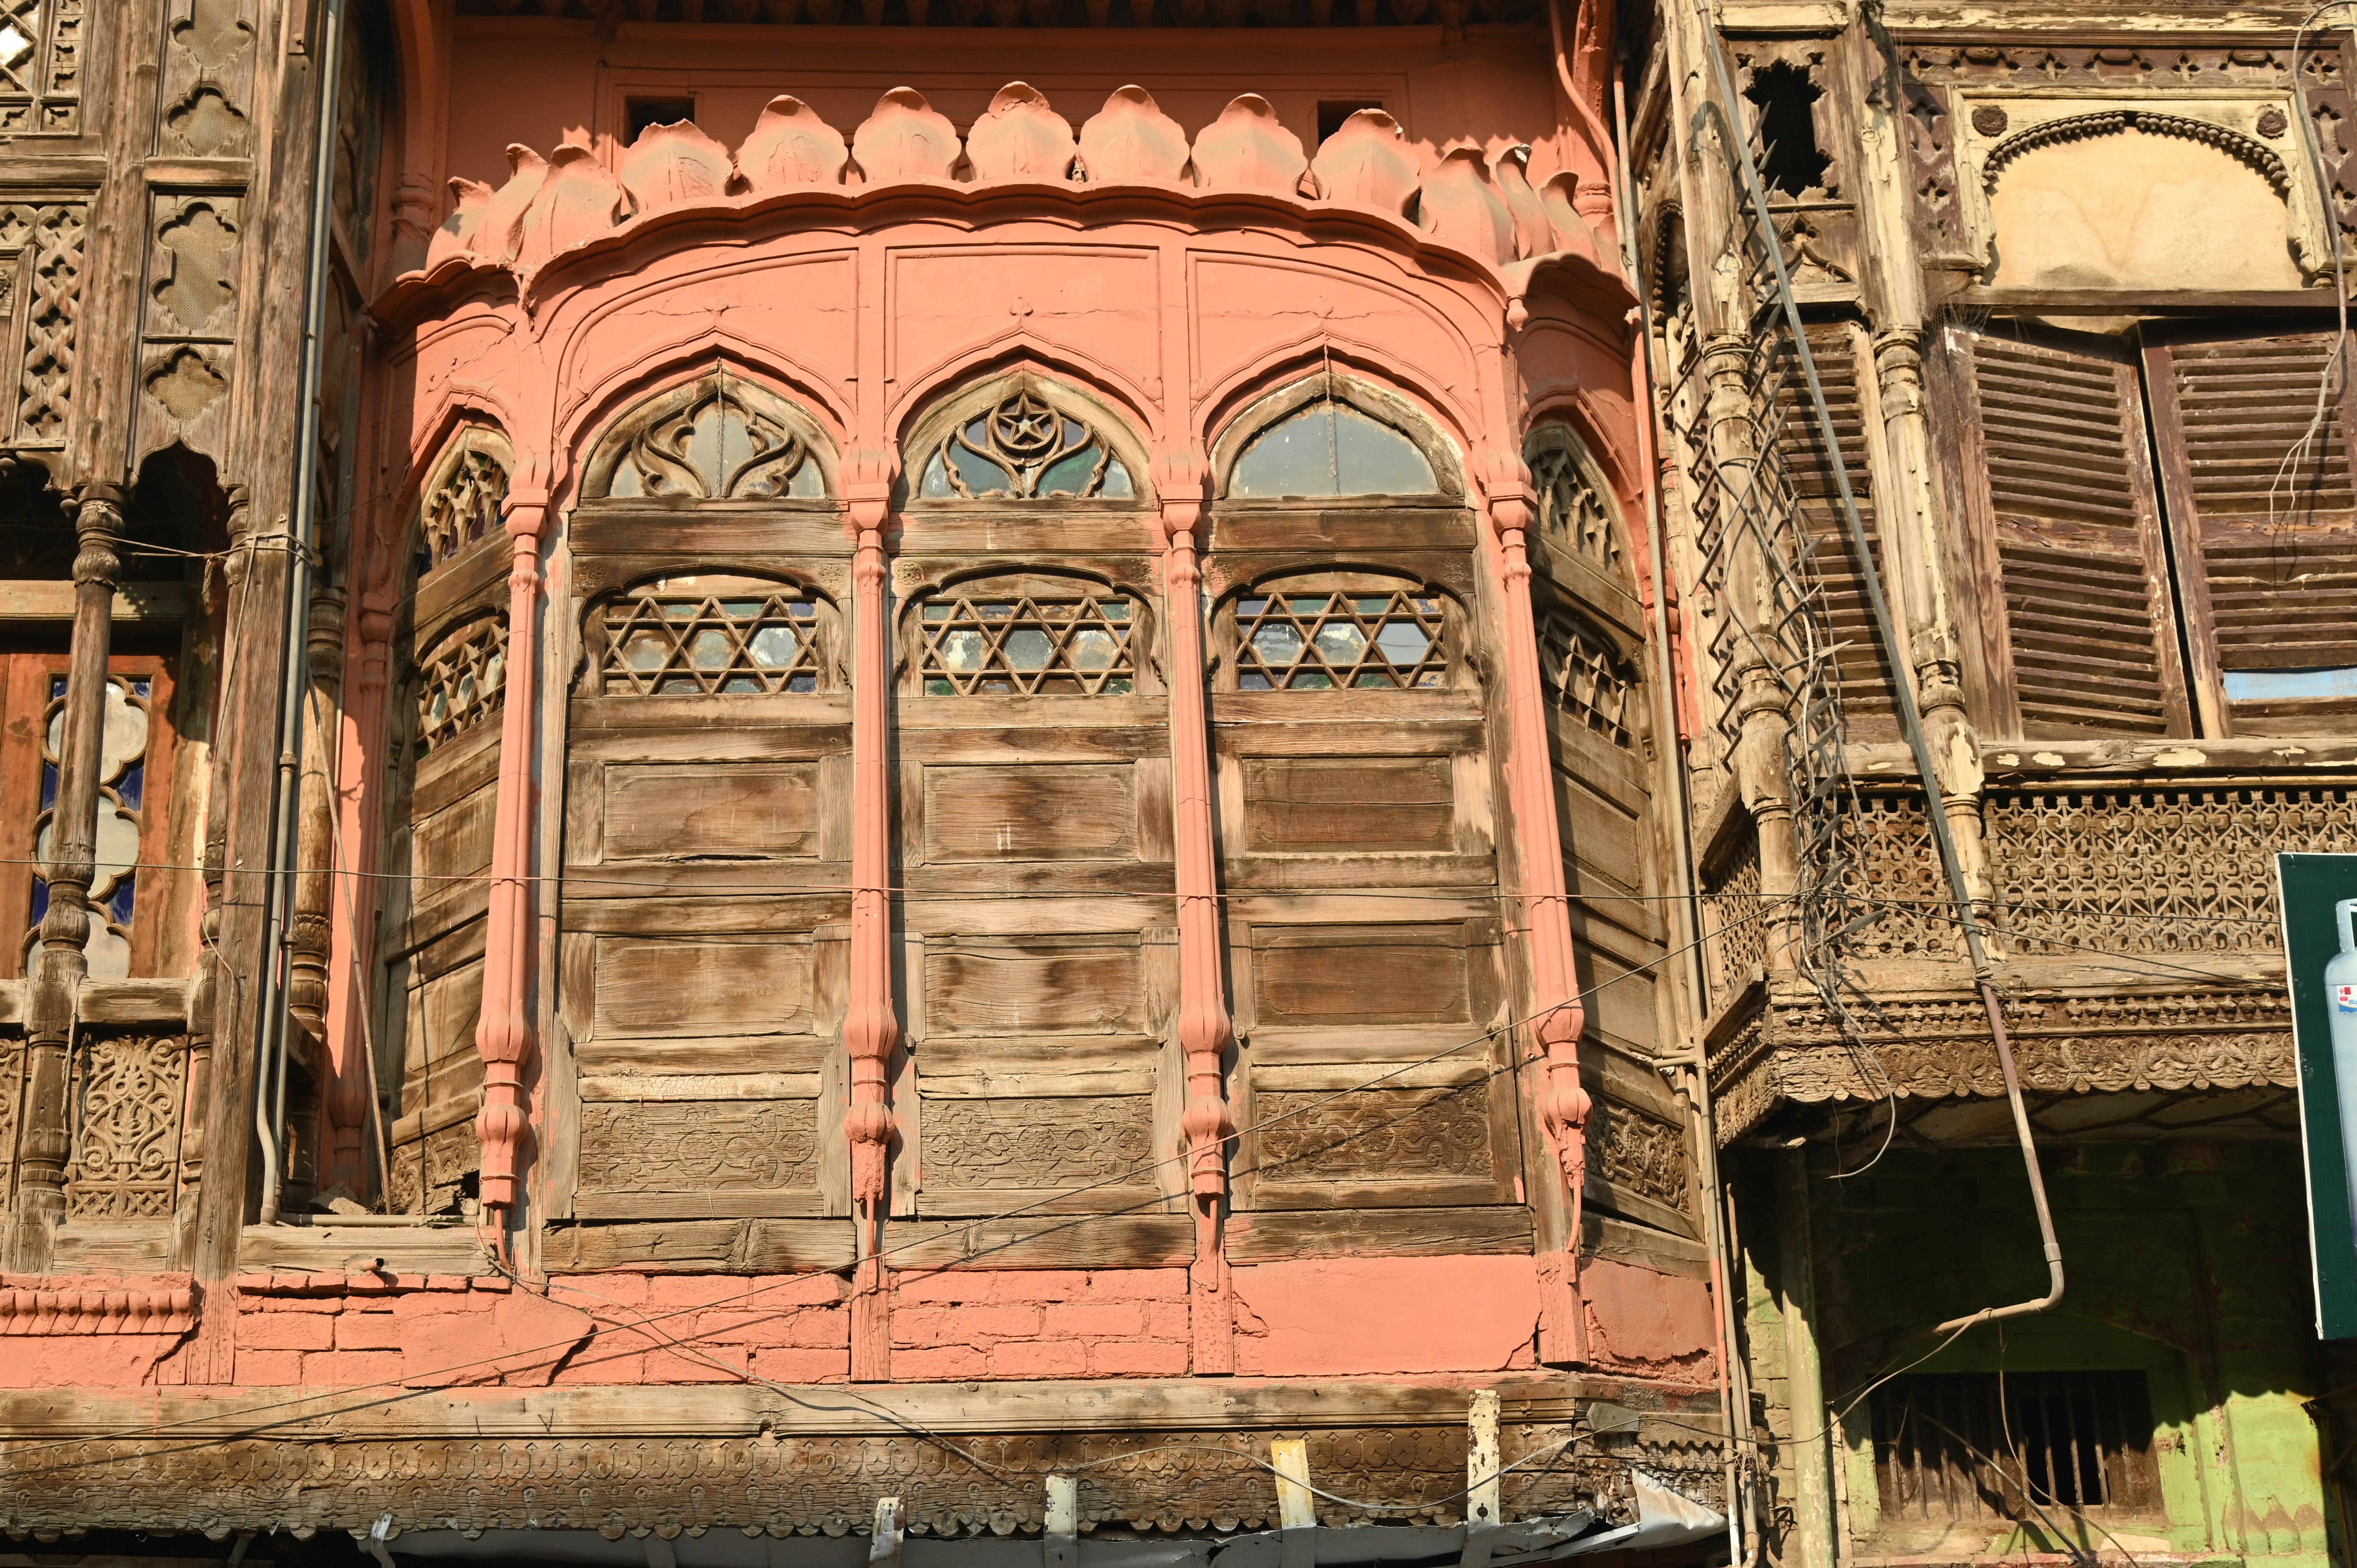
1866 701
1346 805
1041 812
1638 1160
2062 479
2255 468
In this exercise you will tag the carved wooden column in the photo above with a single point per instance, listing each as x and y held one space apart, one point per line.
60 965
205 997
1561 1016
1205 1032
870 1028
504 1037
344 1094
1918 593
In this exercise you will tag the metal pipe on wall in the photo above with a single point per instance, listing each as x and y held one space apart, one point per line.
273 1015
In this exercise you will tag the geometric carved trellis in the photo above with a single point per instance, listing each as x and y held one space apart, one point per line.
977 642
712 637
1326 641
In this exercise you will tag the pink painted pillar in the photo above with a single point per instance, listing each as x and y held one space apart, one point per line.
504 1037
870 1028
1204 1031
1546 911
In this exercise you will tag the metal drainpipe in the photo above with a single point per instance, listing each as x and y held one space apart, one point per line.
1734 1385
274 1016
1911 718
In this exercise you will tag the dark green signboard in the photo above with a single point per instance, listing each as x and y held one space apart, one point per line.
2321 944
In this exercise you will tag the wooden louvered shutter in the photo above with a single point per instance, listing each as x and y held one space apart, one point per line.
2265 517
1867 702
2061 477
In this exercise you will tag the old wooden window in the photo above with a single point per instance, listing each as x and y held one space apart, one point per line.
2134 512
1975 1448
2256 477
1592 626
1007 637
1319 635
708 823
714 635
451 644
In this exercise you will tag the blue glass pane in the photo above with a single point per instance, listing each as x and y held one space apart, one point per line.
40 901
128 787
118 908
2285 685
49 785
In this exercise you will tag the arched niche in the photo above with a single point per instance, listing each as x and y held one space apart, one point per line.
2102 200
1022 439
720 437
1332 436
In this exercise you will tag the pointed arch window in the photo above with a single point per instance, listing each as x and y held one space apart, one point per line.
462 502
1573 511
1330 448
1023 448
720 438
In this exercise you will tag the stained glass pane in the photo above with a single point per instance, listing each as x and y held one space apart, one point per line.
1023 448
774 647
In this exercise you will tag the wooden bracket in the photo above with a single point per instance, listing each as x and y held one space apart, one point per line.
884 1547
1482 1494
1059 1536
1296 1512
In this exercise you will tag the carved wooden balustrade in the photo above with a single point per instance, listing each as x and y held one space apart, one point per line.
2135 924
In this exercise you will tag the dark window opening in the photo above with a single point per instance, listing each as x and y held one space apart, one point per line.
1790 162
638 113
1331 115
1971 1446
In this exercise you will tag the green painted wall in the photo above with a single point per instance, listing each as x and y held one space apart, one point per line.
2187 1259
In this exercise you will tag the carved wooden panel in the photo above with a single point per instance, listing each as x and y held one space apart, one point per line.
125 1159
1046 985
1315 975
1040 812
189 323
1050 1141
41 250
1310 1135
43 52
700 1147
685 987
1349 805
736 808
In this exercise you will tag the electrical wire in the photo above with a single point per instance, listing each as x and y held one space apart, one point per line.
572 1344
